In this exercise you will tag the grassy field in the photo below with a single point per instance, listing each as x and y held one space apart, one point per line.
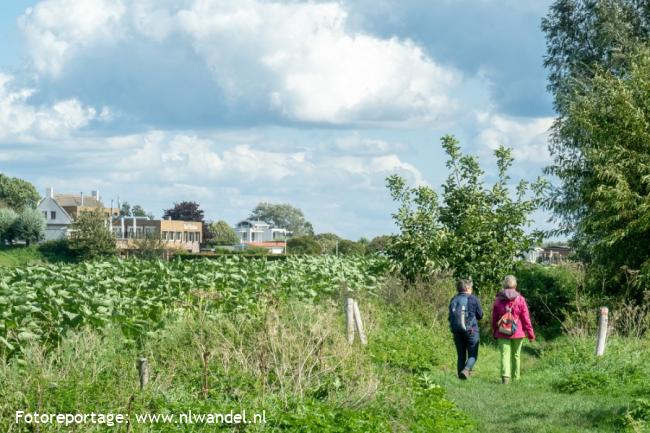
289 358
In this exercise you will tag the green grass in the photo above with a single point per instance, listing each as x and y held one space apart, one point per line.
20 255
536 403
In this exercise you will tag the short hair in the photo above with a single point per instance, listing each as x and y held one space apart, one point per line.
510 282
463 285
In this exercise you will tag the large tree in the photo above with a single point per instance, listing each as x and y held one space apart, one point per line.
597 58
29 226
283 215
7 219
476 231
17 193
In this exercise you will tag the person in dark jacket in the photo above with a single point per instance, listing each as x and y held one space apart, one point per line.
464 313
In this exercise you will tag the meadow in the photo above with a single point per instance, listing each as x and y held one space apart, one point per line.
237 334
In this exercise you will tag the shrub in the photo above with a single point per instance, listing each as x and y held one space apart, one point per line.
303 245
57 250
7 218
29 226
408 347
551 292
91 238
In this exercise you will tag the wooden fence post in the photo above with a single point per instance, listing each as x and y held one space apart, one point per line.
143 372
602 331
359 323
349 315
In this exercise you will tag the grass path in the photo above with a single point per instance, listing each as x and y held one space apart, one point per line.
529 405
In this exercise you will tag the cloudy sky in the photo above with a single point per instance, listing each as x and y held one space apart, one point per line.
233 102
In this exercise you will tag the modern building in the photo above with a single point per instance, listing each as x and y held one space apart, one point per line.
178 235
60 211
262 234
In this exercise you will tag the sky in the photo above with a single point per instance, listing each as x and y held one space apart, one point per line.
233 102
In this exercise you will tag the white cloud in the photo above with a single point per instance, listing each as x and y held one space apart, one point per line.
22 121
298 60
528 137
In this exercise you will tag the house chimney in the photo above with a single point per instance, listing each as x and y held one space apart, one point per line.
49 192
82 198
95 194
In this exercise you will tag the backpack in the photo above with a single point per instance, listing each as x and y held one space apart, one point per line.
459 314
507 323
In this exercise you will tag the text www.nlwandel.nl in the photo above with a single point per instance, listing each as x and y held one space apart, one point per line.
112 419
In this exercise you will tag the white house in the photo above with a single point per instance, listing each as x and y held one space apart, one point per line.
261 234
57 220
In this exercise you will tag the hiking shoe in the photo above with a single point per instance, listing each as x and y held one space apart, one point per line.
464 374
505 380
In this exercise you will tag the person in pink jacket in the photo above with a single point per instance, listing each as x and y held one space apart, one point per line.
510 336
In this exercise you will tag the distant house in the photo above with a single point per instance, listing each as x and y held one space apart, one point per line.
60 211
549 254
262 234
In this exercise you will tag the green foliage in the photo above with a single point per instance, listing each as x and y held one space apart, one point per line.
7 218
347 247
19 255
283 215
151 246
17 193
327 242
303 245
42 303
222 234
476 231
408 347
57 251
91 238
599 63
316 417
29 226
637 417
551 293
378 245
256 250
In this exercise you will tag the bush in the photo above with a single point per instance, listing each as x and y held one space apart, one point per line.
7 218
303 245
57 251
551 292
29 226
90 238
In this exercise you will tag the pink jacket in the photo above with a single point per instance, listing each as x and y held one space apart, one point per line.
511 298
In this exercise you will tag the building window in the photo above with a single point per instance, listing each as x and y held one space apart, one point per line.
53 214
178 236
185 236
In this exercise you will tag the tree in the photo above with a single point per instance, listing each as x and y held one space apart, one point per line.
222 234
188 211
378 245
351 248
29 226
184 211
7 218
125 209
328 242
18 193
475 231
596 55
283 216
303 245
138 211
608 123
90 238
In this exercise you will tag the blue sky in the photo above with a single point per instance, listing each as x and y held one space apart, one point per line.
230 103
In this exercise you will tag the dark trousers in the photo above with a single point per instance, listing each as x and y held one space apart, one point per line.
467 349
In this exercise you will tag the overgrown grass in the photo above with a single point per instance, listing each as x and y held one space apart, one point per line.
20 255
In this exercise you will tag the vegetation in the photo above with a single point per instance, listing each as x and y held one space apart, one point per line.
378 245
91 238
7 218
475 231
17 194
29 226
283 216
222 234
303 245
598 58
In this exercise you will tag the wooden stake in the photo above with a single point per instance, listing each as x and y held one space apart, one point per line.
602 331
359 323
349 315
143 371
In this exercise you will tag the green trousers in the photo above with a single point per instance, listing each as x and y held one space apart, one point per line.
510 349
